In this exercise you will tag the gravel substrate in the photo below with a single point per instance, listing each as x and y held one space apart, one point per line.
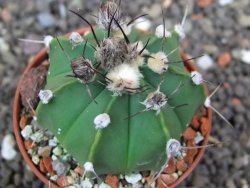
222 31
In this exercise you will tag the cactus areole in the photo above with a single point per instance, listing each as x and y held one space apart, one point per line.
122 116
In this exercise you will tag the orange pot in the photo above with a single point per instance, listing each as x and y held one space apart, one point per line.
37 60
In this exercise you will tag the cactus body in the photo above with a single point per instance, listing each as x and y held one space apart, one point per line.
127 144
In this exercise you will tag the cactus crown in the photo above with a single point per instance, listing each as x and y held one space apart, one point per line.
119 94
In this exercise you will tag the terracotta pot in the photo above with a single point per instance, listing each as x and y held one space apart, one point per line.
37 60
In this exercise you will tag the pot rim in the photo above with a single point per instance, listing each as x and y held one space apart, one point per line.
37 60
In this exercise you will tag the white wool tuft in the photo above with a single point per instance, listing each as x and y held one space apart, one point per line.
179 30
88 167
101 121
47 39
124 77
157 64
45 96
196 77
159 31
207 102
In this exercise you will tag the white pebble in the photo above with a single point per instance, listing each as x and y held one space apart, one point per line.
133 178
47 39
37 136
196 77
86 184
225 2
207 102
245 56
159 32
45 96
101 121
143 24
205 62
173 148
199 138
54 157
88 167
57 151
35 159
54 178
27 131
179 30
104 185
8 151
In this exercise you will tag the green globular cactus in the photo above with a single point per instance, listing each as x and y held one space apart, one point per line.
145 99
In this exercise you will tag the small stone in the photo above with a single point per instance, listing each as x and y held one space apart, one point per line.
244 20
224 59
23 121
48 165
195 124
155 10
204 126
35 159
57 151
86 183
181 165
42 167
53 142
8 151
133 178
245 56
205 62
225 2
79 170
204 3
63 181
27 132
29 144
54 157
196 78
189 134
191 153
199 138
167 3
37 136
112 181
60 167
236 102
88 167
54 178
5 15
171 166
46 19
44 151
104 185
168 179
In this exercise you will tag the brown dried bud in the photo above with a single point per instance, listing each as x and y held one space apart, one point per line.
83 69
32 83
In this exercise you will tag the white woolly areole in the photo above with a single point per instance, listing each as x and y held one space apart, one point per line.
143 24
179 30
47 39
86 183
124 77
159 32
88 167
157 64
155 101
101 121
133 178
196 77
207 102
45 96
173 147
75 38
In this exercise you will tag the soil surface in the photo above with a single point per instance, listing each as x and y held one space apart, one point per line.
220 29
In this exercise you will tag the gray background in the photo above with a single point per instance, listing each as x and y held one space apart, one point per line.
218 29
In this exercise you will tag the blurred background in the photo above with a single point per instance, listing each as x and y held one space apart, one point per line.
220 29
